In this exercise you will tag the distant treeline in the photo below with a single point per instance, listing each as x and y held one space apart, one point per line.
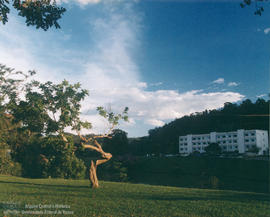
201 172
247 115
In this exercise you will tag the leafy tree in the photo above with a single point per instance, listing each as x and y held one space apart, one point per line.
118 143
213 149
93 143
114 171
254 149
42 116
39 13
11 84
49 157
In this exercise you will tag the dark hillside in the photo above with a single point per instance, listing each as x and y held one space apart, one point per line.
231 117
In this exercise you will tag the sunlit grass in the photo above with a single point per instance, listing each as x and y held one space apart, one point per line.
124 199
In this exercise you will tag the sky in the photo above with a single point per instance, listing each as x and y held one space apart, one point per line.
162 59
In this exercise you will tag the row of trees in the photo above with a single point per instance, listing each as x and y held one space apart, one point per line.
214 149
33 118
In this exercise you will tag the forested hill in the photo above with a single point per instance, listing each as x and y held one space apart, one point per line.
246 115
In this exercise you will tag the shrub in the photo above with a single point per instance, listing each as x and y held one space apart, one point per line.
214 182
7 166
50 156
114 170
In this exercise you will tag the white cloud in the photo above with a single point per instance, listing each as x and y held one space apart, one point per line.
155 122
262 95
266 31
219 81
84 2
233 84
93 2
142 84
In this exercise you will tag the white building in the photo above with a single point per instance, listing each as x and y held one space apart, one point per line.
240 140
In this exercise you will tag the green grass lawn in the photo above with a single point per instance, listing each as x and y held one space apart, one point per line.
124 199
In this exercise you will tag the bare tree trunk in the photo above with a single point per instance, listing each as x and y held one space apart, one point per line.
97 147
93 169
93 175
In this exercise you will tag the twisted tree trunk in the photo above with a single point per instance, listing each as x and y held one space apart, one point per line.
97 147
93 175
93 169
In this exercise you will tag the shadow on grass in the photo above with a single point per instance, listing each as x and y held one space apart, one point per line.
30 184
192 195
185 197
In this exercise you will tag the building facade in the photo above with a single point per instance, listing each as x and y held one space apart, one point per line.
240 140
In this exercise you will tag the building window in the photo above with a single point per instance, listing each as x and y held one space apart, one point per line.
246 134
252 134
246 140
235 141
234 135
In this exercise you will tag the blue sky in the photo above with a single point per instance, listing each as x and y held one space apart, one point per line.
162 59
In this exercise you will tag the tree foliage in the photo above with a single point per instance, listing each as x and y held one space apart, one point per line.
48 156
213 149
259 9
10 86
117 144
49 108
39 13
40 115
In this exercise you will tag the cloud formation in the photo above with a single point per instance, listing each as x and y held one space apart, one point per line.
233 84
262 95
109 70
219 81
266 31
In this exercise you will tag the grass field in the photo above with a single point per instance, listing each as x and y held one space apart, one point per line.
123 199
